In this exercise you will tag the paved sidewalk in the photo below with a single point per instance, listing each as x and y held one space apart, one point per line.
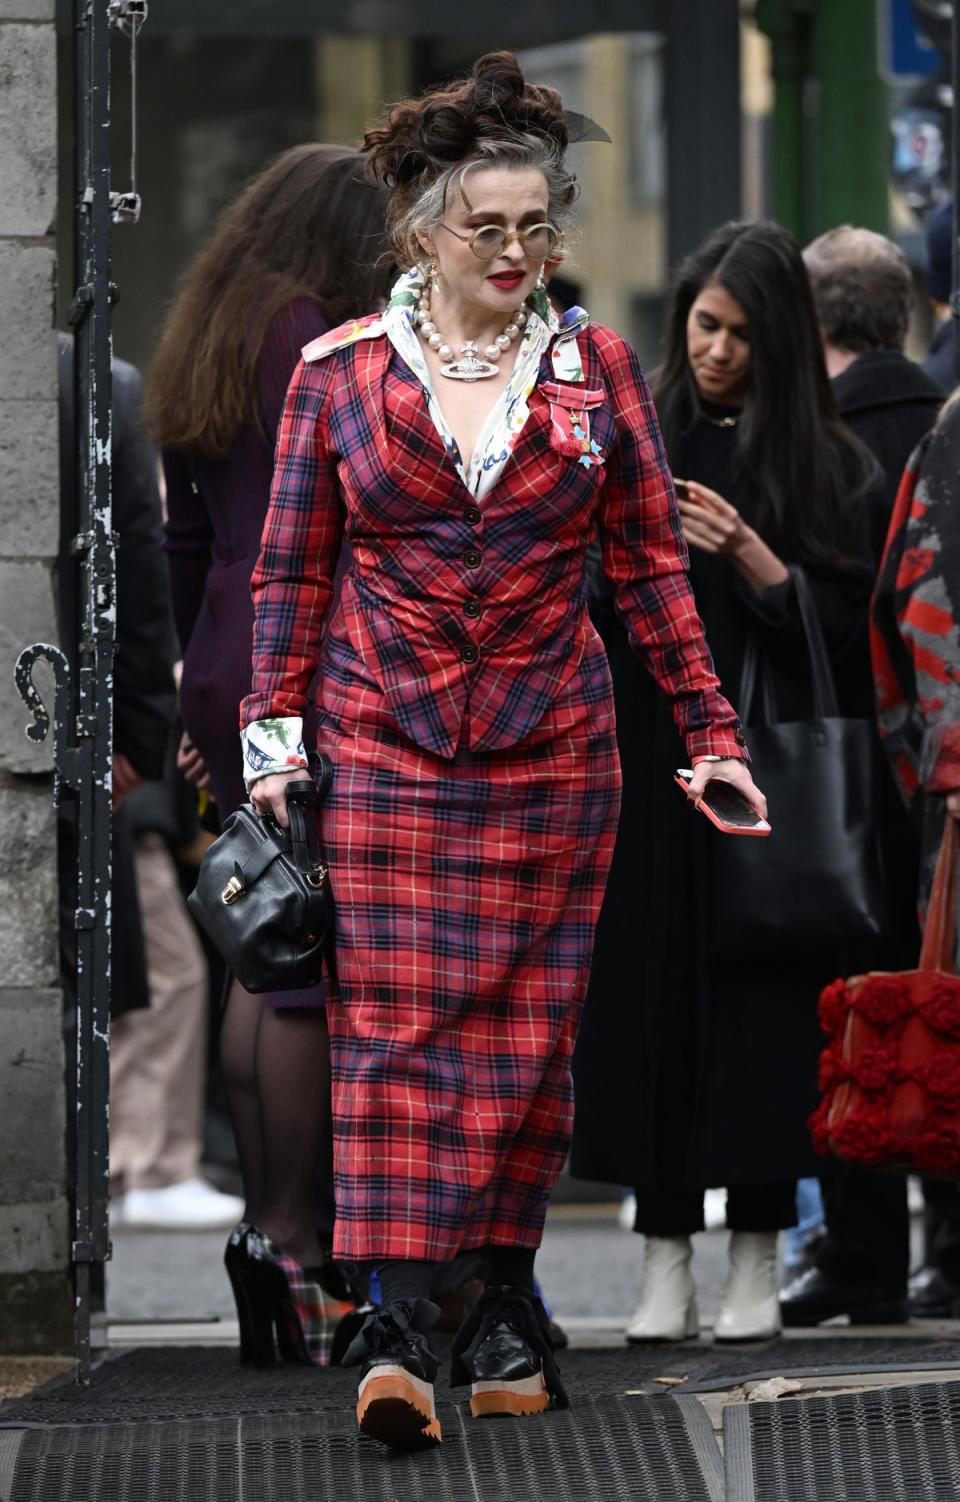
589 1268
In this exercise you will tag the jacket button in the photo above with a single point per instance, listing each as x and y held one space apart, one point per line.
469 653
472 608
473 557
472 515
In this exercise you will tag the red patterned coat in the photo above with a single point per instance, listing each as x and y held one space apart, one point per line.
449 602
915 635
466 705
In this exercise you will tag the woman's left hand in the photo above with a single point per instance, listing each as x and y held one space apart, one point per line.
731 770
711 523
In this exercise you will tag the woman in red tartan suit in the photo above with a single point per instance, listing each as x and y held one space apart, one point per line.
465 703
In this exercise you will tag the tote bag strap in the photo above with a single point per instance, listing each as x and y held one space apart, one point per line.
755 662
938 951
821 673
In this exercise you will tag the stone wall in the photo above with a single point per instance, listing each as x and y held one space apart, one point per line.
35 1299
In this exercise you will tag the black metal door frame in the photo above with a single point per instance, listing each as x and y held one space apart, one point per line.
83 709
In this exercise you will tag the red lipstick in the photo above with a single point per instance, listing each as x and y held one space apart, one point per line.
507 280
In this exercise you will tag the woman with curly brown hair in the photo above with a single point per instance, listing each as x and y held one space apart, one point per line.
471 443
297 251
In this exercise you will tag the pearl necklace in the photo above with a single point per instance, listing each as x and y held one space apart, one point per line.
469 366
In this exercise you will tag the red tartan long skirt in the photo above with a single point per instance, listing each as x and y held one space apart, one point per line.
467 894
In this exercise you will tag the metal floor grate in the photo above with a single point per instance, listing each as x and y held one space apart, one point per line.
202 1382
606 1450
895 1445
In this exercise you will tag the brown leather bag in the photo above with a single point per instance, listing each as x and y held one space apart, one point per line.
890 1073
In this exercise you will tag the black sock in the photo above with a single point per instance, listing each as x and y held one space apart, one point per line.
405 1280
511 1265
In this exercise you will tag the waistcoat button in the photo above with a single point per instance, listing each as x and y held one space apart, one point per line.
473 557
469 653
472 608
472 515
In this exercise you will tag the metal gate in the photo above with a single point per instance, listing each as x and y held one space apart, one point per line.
83 707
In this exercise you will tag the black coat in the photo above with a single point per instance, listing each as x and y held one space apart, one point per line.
890 404
690 1072
144 693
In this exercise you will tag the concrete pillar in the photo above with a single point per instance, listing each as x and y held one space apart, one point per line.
35 1298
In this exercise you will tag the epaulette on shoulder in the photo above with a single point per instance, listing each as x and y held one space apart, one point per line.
350 332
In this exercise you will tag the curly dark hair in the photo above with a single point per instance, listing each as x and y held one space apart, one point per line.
492 118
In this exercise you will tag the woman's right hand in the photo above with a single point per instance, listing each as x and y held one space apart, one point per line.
269 794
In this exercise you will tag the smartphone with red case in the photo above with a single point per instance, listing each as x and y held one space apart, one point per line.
725 806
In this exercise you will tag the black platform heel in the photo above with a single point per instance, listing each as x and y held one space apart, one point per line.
284 1309
235 1261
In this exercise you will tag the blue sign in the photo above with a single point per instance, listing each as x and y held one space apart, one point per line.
904 52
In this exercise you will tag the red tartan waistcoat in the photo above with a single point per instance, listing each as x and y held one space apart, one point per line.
455 603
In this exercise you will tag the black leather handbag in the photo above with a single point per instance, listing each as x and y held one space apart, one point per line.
263 894
816 882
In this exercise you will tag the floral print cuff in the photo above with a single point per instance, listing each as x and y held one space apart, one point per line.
272 746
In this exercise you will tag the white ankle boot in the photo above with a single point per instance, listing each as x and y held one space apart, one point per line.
751 1305
668 1303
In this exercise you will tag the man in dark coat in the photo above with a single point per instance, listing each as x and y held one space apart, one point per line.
863 290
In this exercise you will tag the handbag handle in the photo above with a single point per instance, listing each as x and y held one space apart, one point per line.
303 795
825 705
753 663
938 950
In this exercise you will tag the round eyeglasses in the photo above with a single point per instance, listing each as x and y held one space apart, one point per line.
537 242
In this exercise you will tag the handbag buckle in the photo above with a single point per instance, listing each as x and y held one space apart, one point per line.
233 889
316 877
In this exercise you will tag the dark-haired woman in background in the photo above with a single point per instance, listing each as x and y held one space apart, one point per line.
692 1073
298 252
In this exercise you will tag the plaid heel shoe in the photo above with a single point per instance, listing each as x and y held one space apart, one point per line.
286 1308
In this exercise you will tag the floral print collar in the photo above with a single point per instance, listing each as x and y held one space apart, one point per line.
481 470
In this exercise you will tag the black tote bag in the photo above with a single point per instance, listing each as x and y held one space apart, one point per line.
816 882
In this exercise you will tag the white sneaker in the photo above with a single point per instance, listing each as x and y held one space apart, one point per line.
751 1304
627 1213
193 1205
715 1209
668 1303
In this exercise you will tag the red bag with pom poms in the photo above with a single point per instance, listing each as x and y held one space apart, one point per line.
890 1073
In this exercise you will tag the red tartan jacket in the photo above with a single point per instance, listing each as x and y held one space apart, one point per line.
454 603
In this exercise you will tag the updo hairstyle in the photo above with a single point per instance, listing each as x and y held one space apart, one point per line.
494 118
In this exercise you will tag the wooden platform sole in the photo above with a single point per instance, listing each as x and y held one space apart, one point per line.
397 1409
526 1396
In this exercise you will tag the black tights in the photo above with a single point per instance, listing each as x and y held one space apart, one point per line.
276 1070
414 1280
